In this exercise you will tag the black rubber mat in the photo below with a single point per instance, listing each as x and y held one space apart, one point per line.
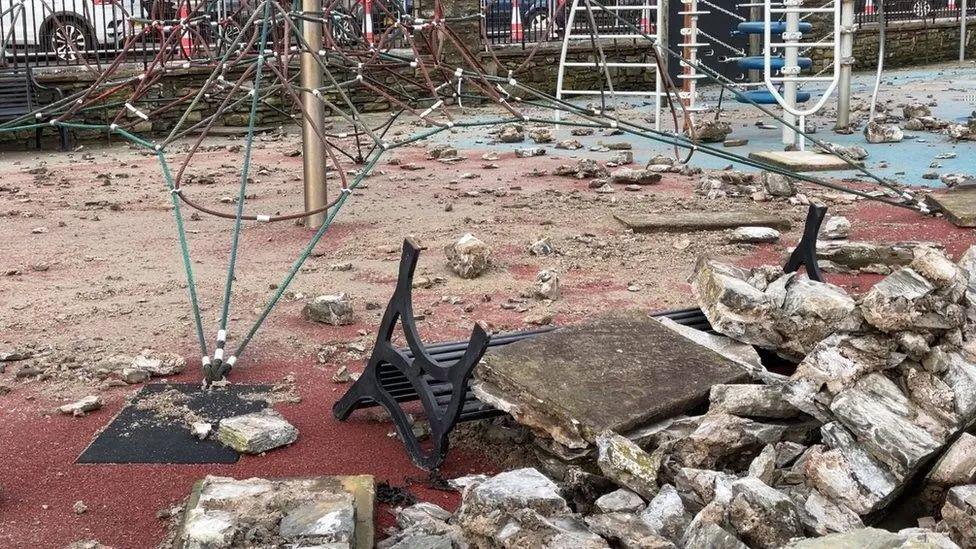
152 427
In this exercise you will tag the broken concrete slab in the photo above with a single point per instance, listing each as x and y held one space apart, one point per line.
959 514
875 538
615 373
256 432
875 257
958 205
803 161
684 222
319 511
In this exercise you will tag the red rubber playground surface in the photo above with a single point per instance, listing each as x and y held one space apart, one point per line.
39 482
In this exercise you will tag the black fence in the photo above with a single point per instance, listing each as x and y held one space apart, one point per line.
912 10
545 20
41 33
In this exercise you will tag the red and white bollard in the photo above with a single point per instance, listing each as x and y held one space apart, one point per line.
186 41
368 7
645 21
951 5
516 21
869 7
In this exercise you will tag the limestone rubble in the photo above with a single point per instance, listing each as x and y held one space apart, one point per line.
884 390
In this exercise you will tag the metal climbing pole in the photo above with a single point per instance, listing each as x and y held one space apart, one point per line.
313 125
651 10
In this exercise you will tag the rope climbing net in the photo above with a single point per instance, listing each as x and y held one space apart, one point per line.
421 66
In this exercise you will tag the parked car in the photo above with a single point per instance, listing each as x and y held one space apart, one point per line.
67 28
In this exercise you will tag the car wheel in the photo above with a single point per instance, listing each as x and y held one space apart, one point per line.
538 24
69 39
921 8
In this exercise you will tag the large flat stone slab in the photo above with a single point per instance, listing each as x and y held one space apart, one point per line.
959 205
313 511
619 372
685 222
803 161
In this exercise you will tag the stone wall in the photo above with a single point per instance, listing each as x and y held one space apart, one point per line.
907 43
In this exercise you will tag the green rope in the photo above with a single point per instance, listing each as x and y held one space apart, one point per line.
235 239
185 251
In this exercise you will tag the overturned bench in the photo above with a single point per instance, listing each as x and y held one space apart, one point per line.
439 375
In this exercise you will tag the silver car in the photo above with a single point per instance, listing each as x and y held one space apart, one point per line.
65 28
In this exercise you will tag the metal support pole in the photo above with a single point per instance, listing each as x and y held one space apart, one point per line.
313 148
791 54
962 30
846 61
755 42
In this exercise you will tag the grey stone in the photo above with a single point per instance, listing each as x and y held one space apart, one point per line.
82 407
763 516
861 255
754 235
875 538
488 507
630 176
326 521
959 514
751 400
621 158
778 185
511 133
666 515
546 285
256 432
709 529
541 247
763 466
541 135
529 152
836 227
700 487
822 516
789 314
423 541
875 132
159 363
957 466
619 501
468 257
847 474
420 513
335 310
709 130
626 531
916 110
887 423
569 144
725 441
589 168
625 463
742 354
134 375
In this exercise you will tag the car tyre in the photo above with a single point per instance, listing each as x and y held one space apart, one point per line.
69 39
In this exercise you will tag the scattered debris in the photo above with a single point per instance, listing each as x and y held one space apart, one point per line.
257 432
335 310
83 406
468 257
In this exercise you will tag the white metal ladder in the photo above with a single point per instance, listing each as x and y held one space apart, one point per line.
690 44
789 76
652 10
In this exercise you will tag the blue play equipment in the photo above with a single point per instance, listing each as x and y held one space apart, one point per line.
756 63
776 27
764 97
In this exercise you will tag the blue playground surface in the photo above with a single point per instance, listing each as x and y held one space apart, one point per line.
951 87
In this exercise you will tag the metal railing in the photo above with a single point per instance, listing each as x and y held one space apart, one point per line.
544 20
50 33
866 11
